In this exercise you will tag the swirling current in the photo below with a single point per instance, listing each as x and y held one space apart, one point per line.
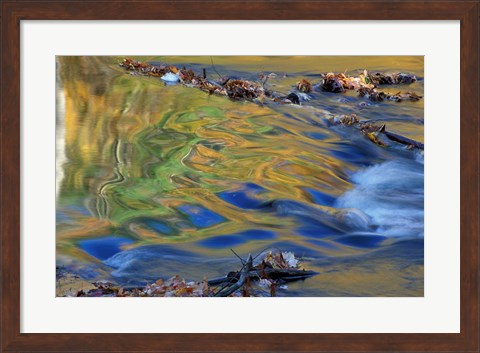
155 180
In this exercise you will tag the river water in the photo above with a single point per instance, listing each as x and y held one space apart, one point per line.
155 180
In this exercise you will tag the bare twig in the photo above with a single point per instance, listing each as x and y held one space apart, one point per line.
214 69
242 260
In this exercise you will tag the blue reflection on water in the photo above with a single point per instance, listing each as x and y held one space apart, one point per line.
361 240
158 226
316 135
321 198
246 197
200 216
103 248
224 241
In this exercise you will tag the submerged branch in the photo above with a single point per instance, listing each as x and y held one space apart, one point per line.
276 267
374 132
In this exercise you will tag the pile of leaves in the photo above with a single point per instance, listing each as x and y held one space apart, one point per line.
375 132
378 96
273 272
304 86
232 88
147 69
240 89
339 82
282 260
369 129
379 78
275 269
366 85
172 287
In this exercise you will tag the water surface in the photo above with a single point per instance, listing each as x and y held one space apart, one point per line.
155 180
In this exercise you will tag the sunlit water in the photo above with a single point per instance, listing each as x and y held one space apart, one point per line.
155 180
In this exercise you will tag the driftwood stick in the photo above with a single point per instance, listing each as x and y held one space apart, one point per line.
372 130
230 281
288 274
241 260
403 140
219 280
244 274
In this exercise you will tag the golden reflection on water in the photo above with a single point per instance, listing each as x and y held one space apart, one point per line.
134 149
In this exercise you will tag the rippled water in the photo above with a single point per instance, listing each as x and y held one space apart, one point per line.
155 180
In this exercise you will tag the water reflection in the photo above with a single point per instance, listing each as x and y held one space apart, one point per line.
158 180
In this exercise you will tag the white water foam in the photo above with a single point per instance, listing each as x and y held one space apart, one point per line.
392 194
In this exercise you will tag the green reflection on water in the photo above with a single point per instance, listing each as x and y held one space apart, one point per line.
136 149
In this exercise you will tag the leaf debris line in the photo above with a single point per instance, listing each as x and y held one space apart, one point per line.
232 88
365 84
263 278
